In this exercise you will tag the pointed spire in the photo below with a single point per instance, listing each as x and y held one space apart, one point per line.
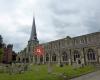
33 31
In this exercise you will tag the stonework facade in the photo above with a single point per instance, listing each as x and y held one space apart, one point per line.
77 50
83 49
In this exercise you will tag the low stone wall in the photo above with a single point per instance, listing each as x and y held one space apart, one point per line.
14 68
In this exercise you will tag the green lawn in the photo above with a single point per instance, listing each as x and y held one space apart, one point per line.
40 73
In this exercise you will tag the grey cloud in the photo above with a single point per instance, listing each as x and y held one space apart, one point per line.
7 6
54 19
93 23
26 29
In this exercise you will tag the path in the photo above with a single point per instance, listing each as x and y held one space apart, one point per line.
91 76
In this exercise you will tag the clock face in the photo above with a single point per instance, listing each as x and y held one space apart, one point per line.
39 50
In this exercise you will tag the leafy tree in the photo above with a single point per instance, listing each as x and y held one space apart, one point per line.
1 53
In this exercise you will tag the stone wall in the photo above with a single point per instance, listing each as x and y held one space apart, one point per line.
83 50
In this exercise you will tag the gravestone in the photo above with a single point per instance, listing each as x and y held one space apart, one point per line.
49 68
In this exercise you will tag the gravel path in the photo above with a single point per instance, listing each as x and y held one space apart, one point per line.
91 76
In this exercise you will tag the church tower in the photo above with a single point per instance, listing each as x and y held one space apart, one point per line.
33 41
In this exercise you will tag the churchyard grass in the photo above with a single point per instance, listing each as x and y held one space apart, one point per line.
40 72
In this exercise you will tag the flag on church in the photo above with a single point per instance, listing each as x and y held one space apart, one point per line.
39 50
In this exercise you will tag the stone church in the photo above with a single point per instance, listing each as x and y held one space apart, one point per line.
83 49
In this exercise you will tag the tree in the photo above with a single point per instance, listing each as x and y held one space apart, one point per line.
1 53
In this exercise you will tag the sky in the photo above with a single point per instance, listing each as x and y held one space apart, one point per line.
55 19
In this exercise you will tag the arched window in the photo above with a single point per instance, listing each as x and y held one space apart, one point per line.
91 54
27 60
23 60
64 56
54 57
76 55
19 59
47 57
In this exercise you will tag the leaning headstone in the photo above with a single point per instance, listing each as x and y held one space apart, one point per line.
49 68
74 65
61 65
19 68
29 67
10 69
13 68
37 69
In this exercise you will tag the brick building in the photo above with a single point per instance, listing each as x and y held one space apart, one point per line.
7 57
7 51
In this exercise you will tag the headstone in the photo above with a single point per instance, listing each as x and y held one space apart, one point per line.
61 65
69 61
49 68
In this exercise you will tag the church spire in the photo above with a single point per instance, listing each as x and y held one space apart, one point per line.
33 31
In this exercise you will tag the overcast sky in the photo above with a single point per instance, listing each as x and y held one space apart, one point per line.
54 19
